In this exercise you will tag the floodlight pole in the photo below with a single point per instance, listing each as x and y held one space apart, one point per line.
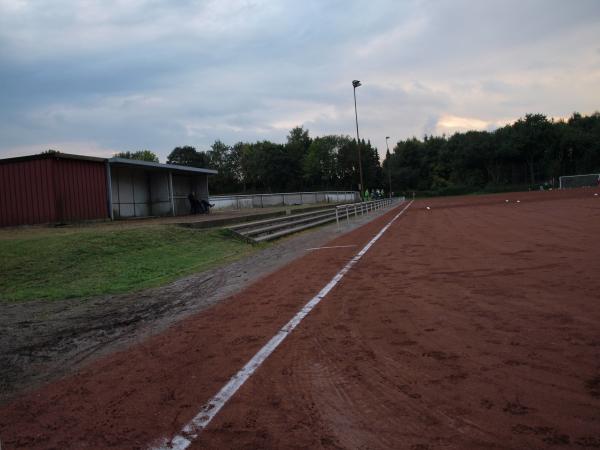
355 84
389 158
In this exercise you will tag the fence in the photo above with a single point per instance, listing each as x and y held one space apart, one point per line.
282 199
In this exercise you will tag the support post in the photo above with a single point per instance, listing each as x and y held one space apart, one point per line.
133 193
111 214
171 193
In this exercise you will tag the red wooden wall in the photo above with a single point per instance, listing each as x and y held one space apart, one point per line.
80 190
51 190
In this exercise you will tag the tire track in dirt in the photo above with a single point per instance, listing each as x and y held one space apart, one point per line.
384 377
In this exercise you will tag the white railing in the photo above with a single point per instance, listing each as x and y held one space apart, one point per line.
282 199
355 209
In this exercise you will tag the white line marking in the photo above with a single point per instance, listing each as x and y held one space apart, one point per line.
333 246
191 431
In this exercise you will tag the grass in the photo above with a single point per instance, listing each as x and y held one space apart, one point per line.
83 263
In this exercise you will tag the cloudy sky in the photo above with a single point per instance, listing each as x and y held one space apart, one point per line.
96 77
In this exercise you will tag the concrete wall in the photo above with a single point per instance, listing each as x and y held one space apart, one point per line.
291 198
232 201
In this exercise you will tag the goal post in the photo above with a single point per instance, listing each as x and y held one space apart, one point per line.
574 181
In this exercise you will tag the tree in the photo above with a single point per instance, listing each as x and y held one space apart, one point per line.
533 148
584 153
347 163
275 171
319 165
250 165
533 135
299 138
372 173
235 164
141 155
224 161
406 165
296 149
188 156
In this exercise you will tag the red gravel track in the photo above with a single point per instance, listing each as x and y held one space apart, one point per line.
475 324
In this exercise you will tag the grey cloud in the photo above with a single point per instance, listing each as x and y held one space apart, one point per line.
155 74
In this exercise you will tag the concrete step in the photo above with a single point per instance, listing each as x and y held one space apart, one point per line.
282 225
248 226
269 229
296 229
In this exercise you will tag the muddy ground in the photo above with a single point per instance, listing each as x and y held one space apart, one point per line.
472 324
44 340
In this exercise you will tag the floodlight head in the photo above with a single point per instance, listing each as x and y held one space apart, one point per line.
356 83
387 137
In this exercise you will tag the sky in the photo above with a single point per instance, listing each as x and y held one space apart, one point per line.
99 77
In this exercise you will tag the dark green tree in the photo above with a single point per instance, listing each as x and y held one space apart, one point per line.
319 166
296 149
372 173
141 155
533 149
532 135
223 160
347 164
188 156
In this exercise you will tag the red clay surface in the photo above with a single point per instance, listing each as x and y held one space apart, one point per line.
475 324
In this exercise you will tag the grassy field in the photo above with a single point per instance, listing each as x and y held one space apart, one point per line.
80 263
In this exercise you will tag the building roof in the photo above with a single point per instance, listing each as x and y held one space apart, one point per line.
112 161
159 166
52 155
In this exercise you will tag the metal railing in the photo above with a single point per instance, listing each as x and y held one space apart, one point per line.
282 199
360 208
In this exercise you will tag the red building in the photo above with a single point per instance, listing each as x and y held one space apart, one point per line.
59 188
52 188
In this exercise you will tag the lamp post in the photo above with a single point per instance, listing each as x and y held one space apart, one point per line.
355 84
389 160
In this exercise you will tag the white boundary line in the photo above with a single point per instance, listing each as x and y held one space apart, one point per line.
210 409
333 246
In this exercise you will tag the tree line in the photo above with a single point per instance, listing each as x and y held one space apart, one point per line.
301 164
531 151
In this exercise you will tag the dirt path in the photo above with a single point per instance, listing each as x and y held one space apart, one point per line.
42 340
470 325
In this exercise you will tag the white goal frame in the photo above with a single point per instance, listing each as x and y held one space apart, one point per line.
593 182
